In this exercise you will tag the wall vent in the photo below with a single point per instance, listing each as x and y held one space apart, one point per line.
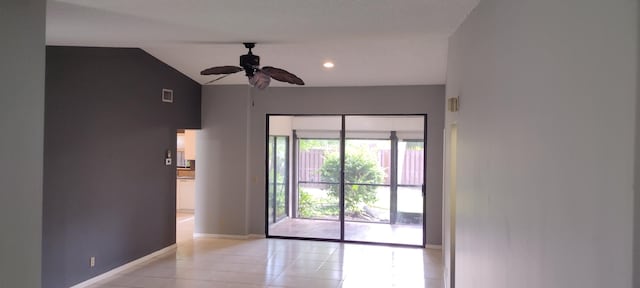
167 95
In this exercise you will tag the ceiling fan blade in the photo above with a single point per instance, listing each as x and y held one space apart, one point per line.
214 80
221 70
282 75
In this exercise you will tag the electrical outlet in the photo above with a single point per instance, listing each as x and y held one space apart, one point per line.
92 261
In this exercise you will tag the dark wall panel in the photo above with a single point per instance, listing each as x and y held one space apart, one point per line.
107 192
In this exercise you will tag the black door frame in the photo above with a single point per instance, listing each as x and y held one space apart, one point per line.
342 155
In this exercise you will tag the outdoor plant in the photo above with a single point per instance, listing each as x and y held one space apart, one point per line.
360 167
314 207
305 205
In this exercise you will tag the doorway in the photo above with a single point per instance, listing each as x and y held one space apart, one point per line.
352 178
450 199
185 163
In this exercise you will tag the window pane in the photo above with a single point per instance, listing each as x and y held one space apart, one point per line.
411 163
409 205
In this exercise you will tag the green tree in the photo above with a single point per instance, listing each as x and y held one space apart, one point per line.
360 167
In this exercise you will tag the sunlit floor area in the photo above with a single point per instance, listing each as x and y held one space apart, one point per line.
211 263
355 231
184 226
206 262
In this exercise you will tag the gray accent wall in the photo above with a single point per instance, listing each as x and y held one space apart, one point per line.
107 191
546 131
244 206
22 62
221 156
636 238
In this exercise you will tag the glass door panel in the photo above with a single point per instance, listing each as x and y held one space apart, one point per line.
315 202
366 180
383 200
271 181
278 178
410 180
319 179
282 177
363 184
410 212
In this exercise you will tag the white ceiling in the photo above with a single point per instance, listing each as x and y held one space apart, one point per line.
372 42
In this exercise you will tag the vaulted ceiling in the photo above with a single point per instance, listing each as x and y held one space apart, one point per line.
371 42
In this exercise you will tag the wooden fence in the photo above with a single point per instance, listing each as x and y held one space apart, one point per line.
411 170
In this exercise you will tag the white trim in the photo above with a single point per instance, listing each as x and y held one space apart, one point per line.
229 236
220 236
435 247
445 275
124 267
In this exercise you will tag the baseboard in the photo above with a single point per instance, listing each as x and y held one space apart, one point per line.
124 267
221 236
435 247
229 236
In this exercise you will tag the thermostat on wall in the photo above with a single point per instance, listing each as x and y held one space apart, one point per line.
167 95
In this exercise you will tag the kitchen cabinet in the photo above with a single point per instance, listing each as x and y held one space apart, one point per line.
190 144
185 195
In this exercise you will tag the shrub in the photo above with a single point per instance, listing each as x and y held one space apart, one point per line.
315 207
305 204
359 167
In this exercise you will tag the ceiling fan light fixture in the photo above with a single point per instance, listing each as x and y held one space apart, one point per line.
260 80
258 77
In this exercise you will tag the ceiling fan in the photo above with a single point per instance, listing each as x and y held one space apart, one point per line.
258 77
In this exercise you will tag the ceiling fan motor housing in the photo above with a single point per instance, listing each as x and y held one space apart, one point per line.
250 63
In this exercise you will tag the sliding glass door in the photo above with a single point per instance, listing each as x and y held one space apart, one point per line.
375 194
315 177
278 178
353 178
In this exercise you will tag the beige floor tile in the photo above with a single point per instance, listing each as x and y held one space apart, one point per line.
260 263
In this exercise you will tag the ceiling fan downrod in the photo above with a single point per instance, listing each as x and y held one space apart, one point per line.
249 62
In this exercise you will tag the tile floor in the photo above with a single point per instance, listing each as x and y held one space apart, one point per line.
184 226
205 262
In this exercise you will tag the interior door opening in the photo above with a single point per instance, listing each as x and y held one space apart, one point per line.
185 163
355 178
450 252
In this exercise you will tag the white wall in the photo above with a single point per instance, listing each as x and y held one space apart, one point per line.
280 125
22 54
449 202
545 143
222 102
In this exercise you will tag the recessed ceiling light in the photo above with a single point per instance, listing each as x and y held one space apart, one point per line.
328 64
